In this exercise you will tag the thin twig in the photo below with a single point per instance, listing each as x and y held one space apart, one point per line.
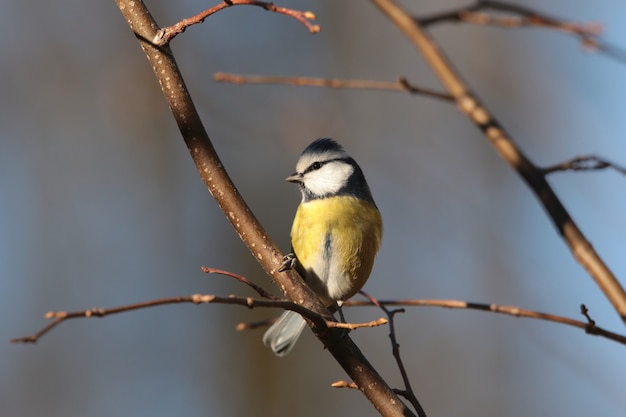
496 308
469 104
585 312
513 311
408 392
521 17
344 384
166 34
255 325
259 290
402 85
60 316
525 17
584 163
455 304
353 326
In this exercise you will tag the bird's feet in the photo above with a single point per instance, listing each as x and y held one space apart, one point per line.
289 261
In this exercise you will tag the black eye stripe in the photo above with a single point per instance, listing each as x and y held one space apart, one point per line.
315 166
318 164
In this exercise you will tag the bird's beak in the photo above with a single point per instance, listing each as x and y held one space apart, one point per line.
295 177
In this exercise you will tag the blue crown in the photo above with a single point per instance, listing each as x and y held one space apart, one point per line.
323 145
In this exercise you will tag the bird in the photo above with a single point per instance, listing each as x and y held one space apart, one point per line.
335 235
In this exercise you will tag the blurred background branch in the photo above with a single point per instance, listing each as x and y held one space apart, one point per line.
470 105
517 16
584 163
402 85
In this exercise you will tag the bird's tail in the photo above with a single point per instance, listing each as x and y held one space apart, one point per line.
284 334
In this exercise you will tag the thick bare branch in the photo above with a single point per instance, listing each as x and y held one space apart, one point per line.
470 105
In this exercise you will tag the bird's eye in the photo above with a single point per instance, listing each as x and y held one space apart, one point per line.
316 166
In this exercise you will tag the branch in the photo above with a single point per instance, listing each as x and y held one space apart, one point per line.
402 85
408 392
353 326
470 106
344 384
166 34
521 17
525 17
584 163
245 223
59 317
208 164
259 290
589 327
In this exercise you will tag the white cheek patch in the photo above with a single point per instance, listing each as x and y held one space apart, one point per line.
328 179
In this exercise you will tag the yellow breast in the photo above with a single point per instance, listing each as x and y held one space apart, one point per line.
335 240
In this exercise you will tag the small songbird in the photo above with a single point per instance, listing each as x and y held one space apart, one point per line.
335 234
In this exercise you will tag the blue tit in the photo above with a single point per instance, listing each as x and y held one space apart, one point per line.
335 234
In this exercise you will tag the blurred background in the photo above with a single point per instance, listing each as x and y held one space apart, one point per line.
101 206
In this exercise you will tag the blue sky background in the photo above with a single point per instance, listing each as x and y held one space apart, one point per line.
101 206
